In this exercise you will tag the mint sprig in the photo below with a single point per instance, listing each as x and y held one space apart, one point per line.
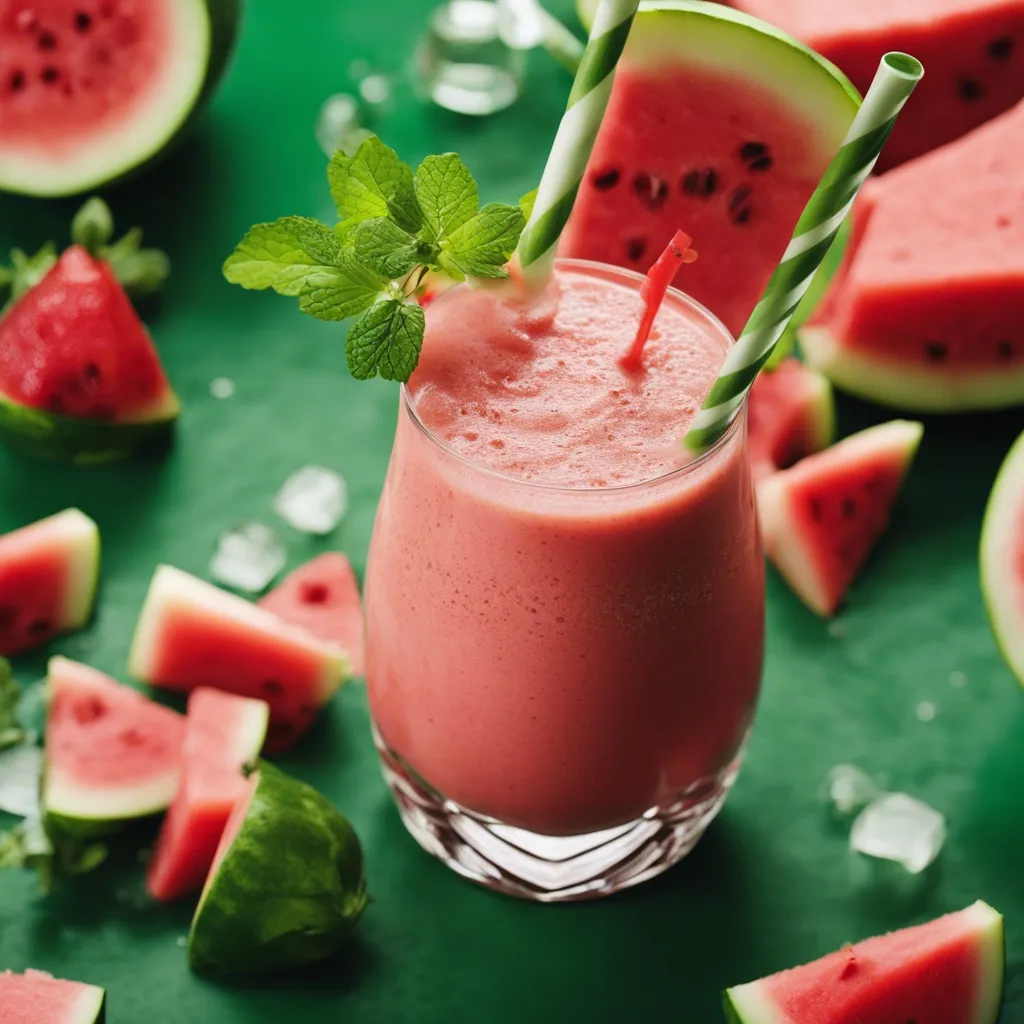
395 225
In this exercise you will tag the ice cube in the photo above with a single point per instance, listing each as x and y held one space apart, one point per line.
926 711
849 788
520 23
248 557
899 828
20 769
313 500
338 124
222 387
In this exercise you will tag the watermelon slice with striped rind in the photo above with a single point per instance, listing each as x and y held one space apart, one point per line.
948 971
48 577
191 634
287 884
223 736
821 518
1002 558
36 997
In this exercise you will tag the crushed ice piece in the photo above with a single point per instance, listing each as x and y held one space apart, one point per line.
926 711
836 630
313 500
375 89
520 23
248 557
849 788
222 387
957 678
899 828
20 770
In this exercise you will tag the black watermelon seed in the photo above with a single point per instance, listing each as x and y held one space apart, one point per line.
651 190
47 41
1000 48
607 179
83 21
272 688
17 81
132 738
1005 349
740 210
752 150
50 75
39 626
314 593
91 372
88 709
936 351
969 89
849 507
761 164
635 248
701 182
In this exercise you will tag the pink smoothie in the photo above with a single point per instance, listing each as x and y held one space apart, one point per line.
565 623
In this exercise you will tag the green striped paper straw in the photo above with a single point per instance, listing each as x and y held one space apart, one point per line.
898 74
574 140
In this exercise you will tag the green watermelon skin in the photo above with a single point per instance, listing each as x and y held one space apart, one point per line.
36 997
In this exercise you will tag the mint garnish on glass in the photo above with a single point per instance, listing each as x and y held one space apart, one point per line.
395 225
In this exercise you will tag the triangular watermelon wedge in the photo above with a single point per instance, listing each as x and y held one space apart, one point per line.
948 971
821 518
224 734
36 997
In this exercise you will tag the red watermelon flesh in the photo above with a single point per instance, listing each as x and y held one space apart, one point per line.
972 51
821 518
193 634
36 997
48 577
323 597
111 753
948 971
790 414
73 345
223 734
928 309
717 125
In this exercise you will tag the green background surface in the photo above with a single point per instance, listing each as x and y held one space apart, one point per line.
772 883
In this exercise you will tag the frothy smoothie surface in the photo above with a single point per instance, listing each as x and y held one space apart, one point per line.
539 393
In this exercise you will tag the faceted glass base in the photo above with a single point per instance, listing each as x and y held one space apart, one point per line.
553 869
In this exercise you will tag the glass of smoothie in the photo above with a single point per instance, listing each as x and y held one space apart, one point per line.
565 611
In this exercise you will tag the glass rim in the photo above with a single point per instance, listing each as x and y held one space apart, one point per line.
679 472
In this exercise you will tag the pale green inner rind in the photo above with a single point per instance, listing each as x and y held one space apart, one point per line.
90 1007
66 798
991 962
82 539
748 1005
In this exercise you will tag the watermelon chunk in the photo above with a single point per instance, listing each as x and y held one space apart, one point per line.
48 577
927 312
1002 558
223 735
718 124
36 997
191 634
821 518
971 48
790 414
323 597
111 753
79 376
948 971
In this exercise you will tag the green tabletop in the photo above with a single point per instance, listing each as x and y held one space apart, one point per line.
772 884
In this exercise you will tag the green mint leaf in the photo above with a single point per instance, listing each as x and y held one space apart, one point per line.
381 244
292 255
140 271
356 291
386 340
10 693
527 203
447 194
374 183
93 225
485 243
27 271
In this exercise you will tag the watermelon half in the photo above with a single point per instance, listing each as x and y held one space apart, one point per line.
36 997
48 577
719 125
927 311
223 736
91 89
821 518
191 634
80 379
948 971
322 596
111 754
1002 558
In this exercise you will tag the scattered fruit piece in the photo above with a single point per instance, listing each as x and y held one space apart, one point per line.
191 634
48 577
948 971
287 885
36 997
223 736
821 518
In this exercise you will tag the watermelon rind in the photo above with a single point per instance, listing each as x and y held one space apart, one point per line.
205 31
80 538
1002 582
288 888
89 1008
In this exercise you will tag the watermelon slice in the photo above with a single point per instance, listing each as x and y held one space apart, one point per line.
790 414
720 125
927 312
191 633
48 577
36 997
91 89
323 597
821 518
79 376
223 735
287 883
971 48
1002 558
948 971
111 753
